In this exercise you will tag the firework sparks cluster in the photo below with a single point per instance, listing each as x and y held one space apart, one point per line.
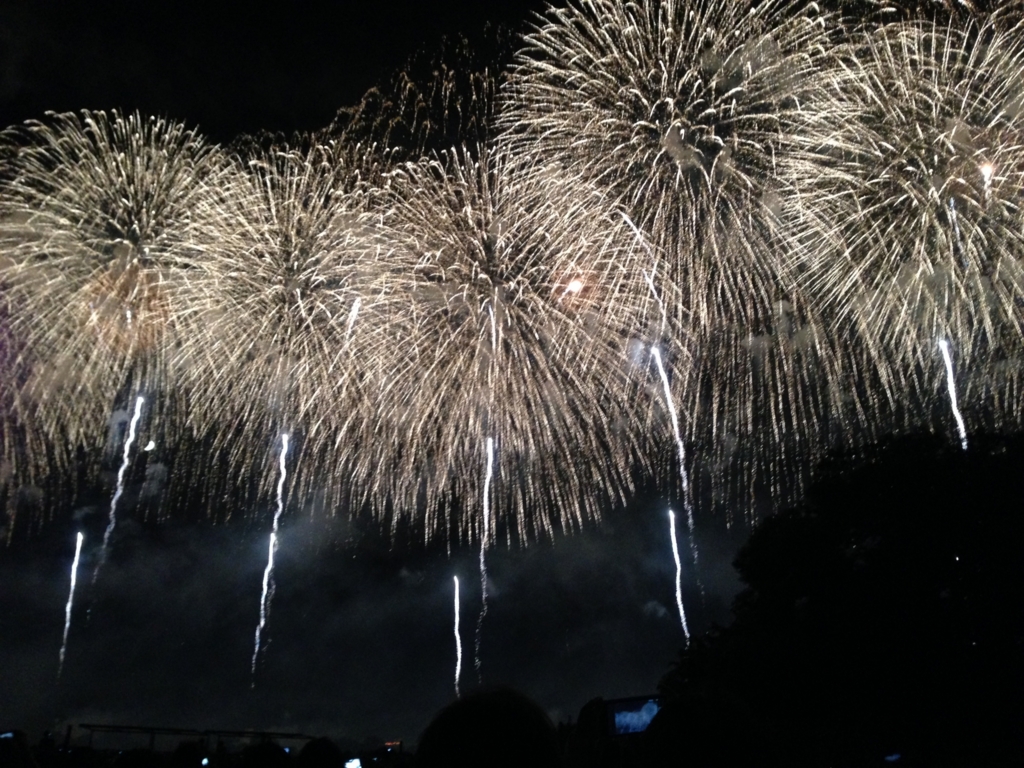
789 209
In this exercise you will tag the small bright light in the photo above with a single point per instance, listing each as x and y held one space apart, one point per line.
150 446
206 761
987 170
575 286
354 763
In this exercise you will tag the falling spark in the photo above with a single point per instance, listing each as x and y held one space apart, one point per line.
71 599
679 574
951 386
656 353
120 487
352 315
268 572
987 169
484 536
458 641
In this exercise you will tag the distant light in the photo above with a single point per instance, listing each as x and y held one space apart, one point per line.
287 749
206 761
987 170
575 286
355 762
893 758
8 735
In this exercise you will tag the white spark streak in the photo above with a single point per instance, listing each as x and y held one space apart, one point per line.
951 386
484 538
71 599
120 487
684 476
458 641
352 316
679 575
268 573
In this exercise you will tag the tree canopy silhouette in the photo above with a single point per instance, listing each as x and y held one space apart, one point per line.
884 616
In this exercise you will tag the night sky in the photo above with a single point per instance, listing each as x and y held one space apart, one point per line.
360 632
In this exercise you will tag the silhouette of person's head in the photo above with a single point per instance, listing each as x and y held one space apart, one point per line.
264 755
139 758
320 753
498 728
14 750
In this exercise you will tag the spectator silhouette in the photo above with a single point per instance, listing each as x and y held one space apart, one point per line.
496 728
264 755
14 750
139 758
320 753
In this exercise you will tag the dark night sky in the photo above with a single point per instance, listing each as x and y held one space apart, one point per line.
229 68
361 630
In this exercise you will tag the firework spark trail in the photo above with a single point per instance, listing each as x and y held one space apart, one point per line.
458 641
951 386
679 574
120 487
71 598
268 573
670 404
484 539
352 317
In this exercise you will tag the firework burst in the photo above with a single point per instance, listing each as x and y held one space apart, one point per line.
680 110
293 317
103 221
516 329
913 227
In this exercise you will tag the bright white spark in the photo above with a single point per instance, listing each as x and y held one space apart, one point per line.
670 403
679 574
649 278
120 487
151 445
987 170
684 476
484 538
71 599
352 316
951 386
458 641
268 572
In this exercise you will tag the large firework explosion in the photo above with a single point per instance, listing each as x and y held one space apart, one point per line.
680 110
294 329
102 221
912 229
517 328
793 207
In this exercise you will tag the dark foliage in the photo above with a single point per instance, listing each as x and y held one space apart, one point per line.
884 616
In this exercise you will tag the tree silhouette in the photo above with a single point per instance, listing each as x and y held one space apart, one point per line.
885 615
